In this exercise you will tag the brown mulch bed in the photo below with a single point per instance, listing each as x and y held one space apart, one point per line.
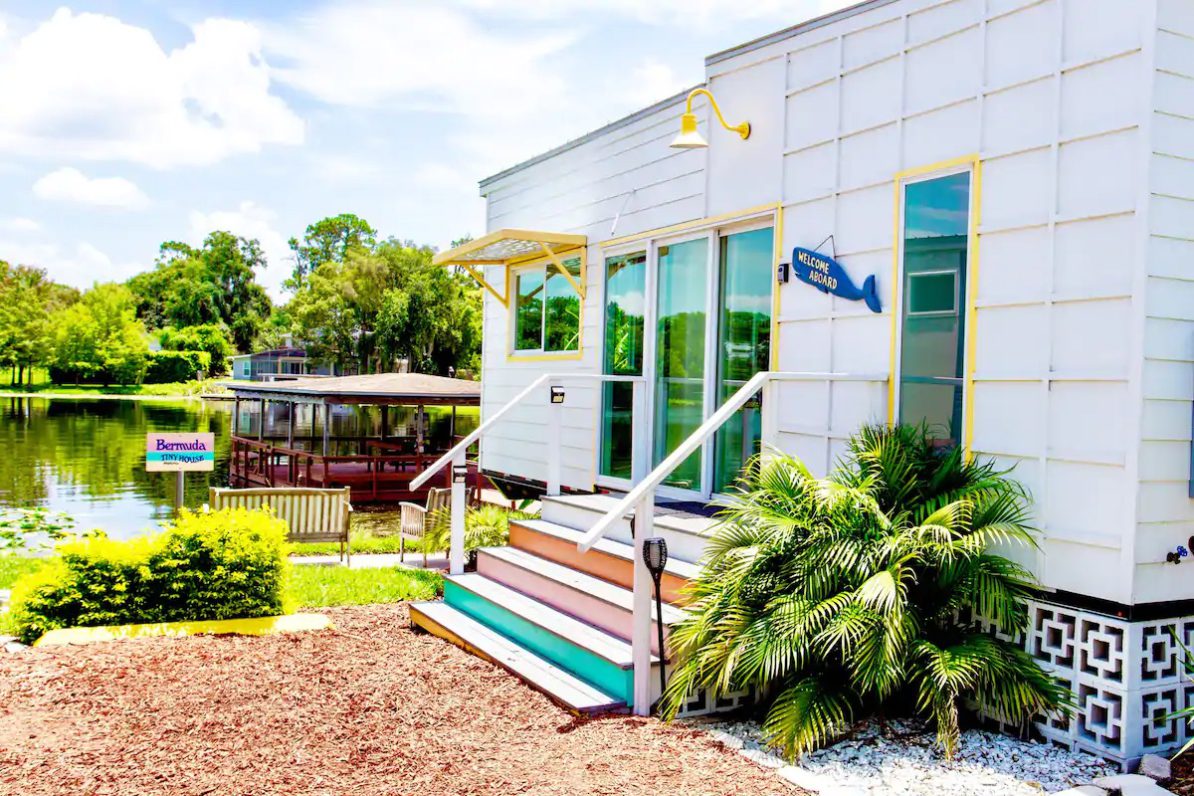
368 708
1183 775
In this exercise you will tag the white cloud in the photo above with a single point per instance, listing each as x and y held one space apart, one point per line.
19 224
652 81
71 185
416 55
250 220
79 266
90 86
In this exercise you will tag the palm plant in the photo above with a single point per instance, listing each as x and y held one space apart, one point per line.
838 597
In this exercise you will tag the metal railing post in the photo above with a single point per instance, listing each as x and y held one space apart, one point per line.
554 454
769 421
456 533
640 446
640 636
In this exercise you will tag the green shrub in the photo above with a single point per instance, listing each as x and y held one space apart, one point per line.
227 564
854 594
485 526
209 337
166 367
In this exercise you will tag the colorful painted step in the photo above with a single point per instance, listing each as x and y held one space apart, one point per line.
608 559
687 534
587 652
592 600
567 690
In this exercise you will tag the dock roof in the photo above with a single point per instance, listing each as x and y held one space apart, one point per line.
388 389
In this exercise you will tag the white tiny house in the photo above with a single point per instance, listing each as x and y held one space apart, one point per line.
1015 179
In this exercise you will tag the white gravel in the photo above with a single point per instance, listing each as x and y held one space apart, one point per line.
902 759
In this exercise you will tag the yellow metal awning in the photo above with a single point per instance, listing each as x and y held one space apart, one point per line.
509 247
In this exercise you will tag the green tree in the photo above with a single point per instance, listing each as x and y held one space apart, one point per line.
27 301
329 240
377 305
209 337
99 338
212 284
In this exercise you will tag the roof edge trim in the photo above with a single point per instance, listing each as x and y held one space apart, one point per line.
675 99
795 30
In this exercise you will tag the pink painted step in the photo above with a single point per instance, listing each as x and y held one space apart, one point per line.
592 600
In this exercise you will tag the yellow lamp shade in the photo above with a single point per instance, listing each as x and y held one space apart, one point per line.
689 138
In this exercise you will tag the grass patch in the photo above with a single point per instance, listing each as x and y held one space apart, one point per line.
168 390
13 567
318 586
360 544
307 586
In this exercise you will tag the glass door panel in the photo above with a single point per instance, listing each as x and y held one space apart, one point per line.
743 344
683 270
625 291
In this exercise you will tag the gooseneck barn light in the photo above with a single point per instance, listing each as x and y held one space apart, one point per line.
689 138
655 557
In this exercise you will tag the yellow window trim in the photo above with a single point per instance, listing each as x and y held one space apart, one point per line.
543 260
975 164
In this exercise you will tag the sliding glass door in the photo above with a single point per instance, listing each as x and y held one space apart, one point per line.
694 317
681 298
743 344
625 306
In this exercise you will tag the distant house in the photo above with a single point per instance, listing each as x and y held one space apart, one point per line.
279 364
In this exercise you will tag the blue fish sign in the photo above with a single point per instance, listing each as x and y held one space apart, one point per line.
827 275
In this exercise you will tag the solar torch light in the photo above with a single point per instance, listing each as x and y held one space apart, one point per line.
655 557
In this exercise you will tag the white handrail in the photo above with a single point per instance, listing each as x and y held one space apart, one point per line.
475 434
479 431
697 438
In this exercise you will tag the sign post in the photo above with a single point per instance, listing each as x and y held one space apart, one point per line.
179 453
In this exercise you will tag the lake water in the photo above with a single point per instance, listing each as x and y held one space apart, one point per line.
86 456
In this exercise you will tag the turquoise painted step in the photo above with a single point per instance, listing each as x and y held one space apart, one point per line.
581 649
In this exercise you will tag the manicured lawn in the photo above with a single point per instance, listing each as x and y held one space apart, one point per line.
360 544
319 586
169 390
310 586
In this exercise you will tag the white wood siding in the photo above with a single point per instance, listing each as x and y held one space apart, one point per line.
1081 112
630 170
1051 95
1165 512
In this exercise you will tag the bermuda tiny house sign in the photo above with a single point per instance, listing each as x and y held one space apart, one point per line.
179 452
827 275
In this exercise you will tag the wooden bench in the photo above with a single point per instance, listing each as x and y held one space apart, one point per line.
313 515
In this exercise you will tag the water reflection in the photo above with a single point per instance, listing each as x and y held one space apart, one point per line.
86 456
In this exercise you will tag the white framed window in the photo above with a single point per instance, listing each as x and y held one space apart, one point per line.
546 308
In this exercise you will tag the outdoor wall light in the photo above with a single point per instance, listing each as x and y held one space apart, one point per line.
655 557
459 473
557 395
689 138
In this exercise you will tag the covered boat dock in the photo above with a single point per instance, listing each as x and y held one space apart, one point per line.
373 433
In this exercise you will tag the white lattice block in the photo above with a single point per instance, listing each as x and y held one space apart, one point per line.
700 703
1127 678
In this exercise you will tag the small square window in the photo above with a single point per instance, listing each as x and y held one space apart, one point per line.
933 293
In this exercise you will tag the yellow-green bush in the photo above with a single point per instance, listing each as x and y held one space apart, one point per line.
220 565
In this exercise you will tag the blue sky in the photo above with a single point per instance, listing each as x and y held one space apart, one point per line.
124 123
